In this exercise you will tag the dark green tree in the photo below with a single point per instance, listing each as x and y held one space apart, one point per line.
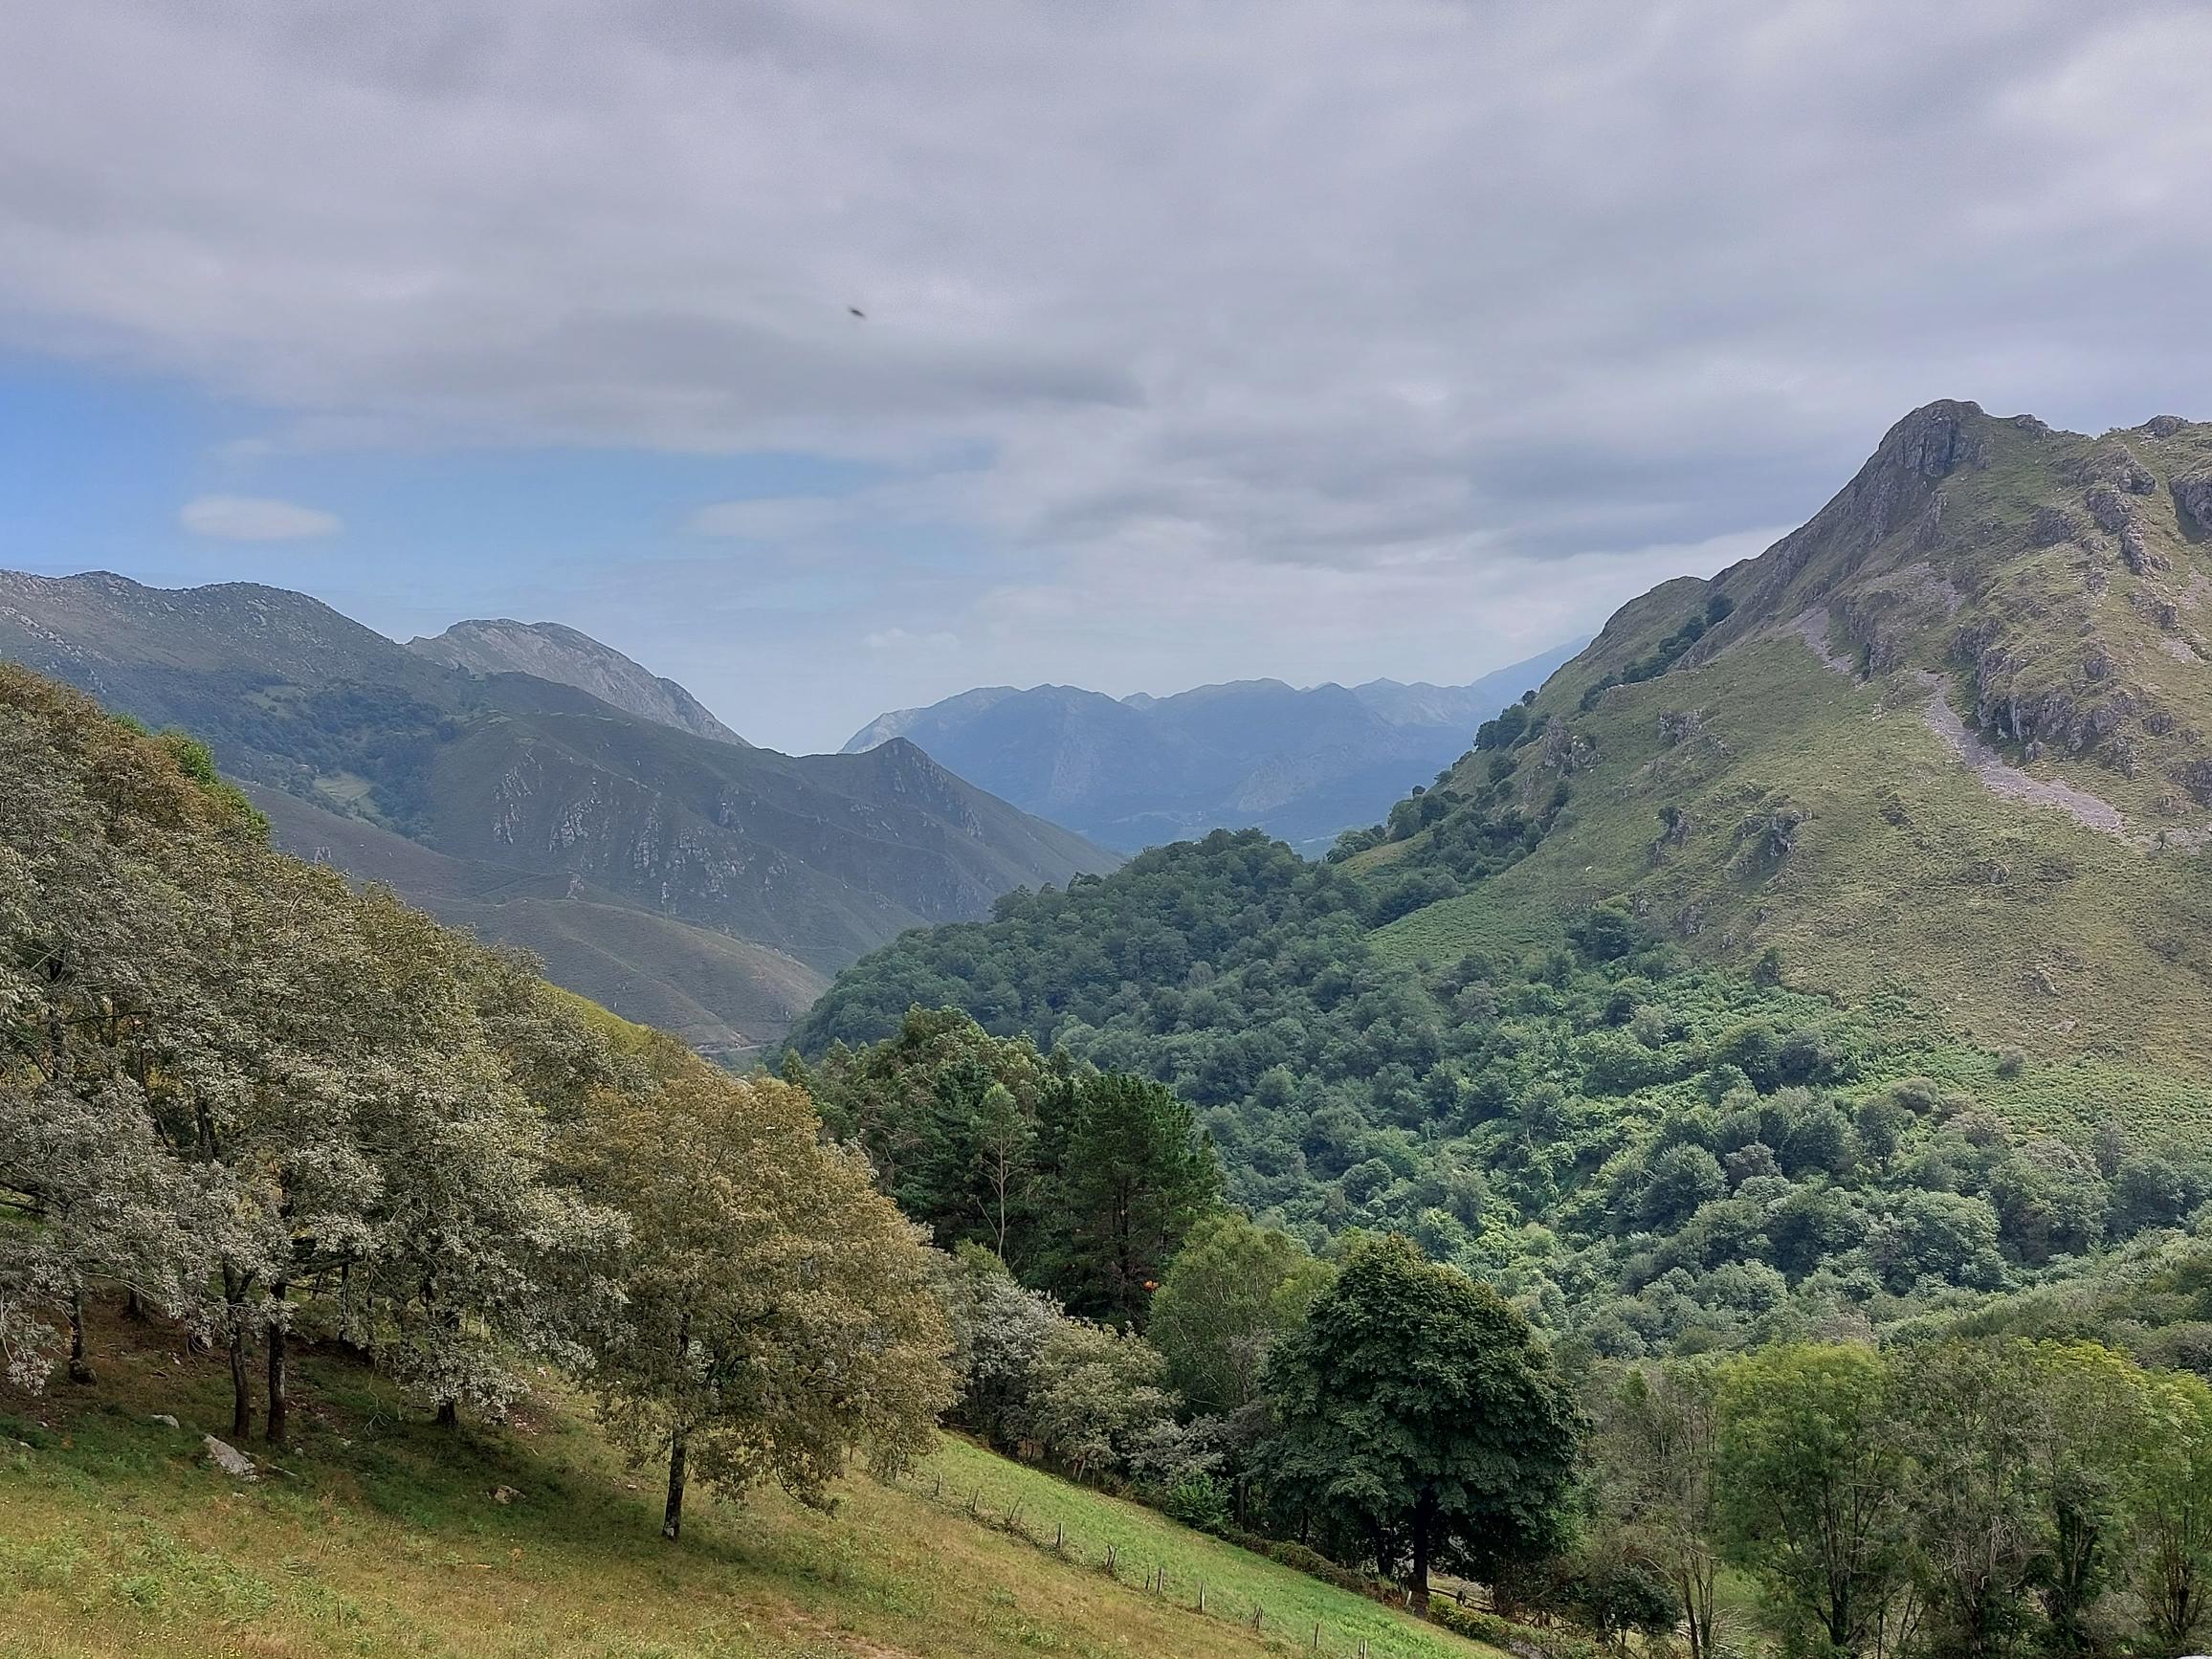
1416 1411
1129 1174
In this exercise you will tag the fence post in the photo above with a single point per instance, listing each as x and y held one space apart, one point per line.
1059 1538
1316 1638
1202 1595
1258 1613
1112 1565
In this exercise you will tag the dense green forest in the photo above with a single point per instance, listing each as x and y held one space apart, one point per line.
1649 1154
2000 1475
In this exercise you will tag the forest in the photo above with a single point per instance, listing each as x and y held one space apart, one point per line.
1648 1155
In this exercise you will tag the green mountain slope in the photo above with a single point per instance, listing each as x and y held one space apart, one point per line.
540 792
1948 737
723 996
1823 948
383 1536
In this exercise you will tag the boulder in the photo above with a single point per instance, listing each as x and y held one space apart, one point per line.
230 1459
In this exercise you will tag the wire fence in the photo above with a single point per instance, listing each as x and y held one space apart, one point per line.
1181 1589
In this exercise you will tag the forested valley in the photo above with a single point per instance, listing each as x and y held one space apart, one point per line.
1600 1300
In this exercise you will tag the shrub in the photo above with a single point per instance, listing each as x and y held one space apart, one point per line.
1522 1640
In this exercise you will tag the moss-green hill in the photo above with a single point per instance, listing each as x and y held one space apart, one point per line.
1949 736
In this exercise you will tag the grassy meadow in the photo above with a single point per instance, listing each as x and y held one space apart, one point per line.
377 1535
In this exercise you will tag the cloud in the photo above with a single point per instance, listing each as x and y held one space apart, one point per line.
1474 305
255 518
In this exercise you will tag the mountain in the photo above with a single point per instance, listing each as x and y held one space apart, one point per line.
1304 765
567 657
701 884
1950 738
1828 945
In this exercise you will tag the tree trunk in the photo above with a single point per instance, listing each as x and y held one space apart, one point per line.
1423 1514
134 1309
79 1367
241 1342
671 1516
278 1423
241 1382
449 1414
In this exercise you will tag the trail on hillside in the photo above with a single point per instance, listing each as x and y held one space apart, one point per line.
2000 776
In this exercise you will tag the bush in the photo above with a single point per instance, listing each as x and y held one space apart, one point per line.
1522 1640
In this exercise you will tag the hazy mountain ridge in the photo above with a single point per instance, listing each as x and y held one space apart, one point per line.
526 789
553 652
1301 764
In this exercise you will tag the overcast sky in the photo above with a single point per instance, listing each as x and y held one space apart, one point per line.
1202 341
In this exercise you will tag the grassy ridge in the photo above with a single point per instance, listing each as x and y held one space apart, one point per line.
383 1536
2017 925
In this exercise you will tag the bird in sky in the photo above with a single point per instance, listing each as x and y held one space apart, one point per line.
857 312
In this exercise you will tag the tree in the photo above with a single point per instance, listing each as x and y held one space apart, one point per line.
998 1335
1234 1291
2172 1504
1812 1486
2091 1406
1130 1175
948 1115
1970 1417
1099 1396
780 1313
1416 1410
1657 1443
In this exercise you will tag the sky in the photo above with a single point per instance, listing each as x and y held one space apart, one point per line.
1195 340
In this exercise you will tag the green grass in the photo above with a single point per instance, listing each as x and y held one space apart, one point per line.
2009 926
1236 1581
382 1537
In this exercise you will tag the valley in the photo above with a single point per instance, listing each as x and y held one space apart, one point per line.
1302 764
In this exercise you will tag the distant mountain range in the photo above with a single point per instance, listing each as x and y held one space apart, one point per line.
583 808
1302 764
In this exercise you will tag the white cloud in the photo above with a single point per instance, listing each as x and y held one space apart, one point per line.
1474 305
255 518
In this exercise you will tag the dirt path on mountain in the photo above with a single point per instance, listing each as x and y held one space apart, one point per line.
2000 776
1812 627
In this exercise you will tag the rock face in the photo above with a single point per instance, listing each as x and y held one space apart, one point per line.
2192 495
567 657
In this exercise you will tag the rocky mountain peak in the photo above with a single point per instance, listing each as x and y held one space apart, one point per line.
552 651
